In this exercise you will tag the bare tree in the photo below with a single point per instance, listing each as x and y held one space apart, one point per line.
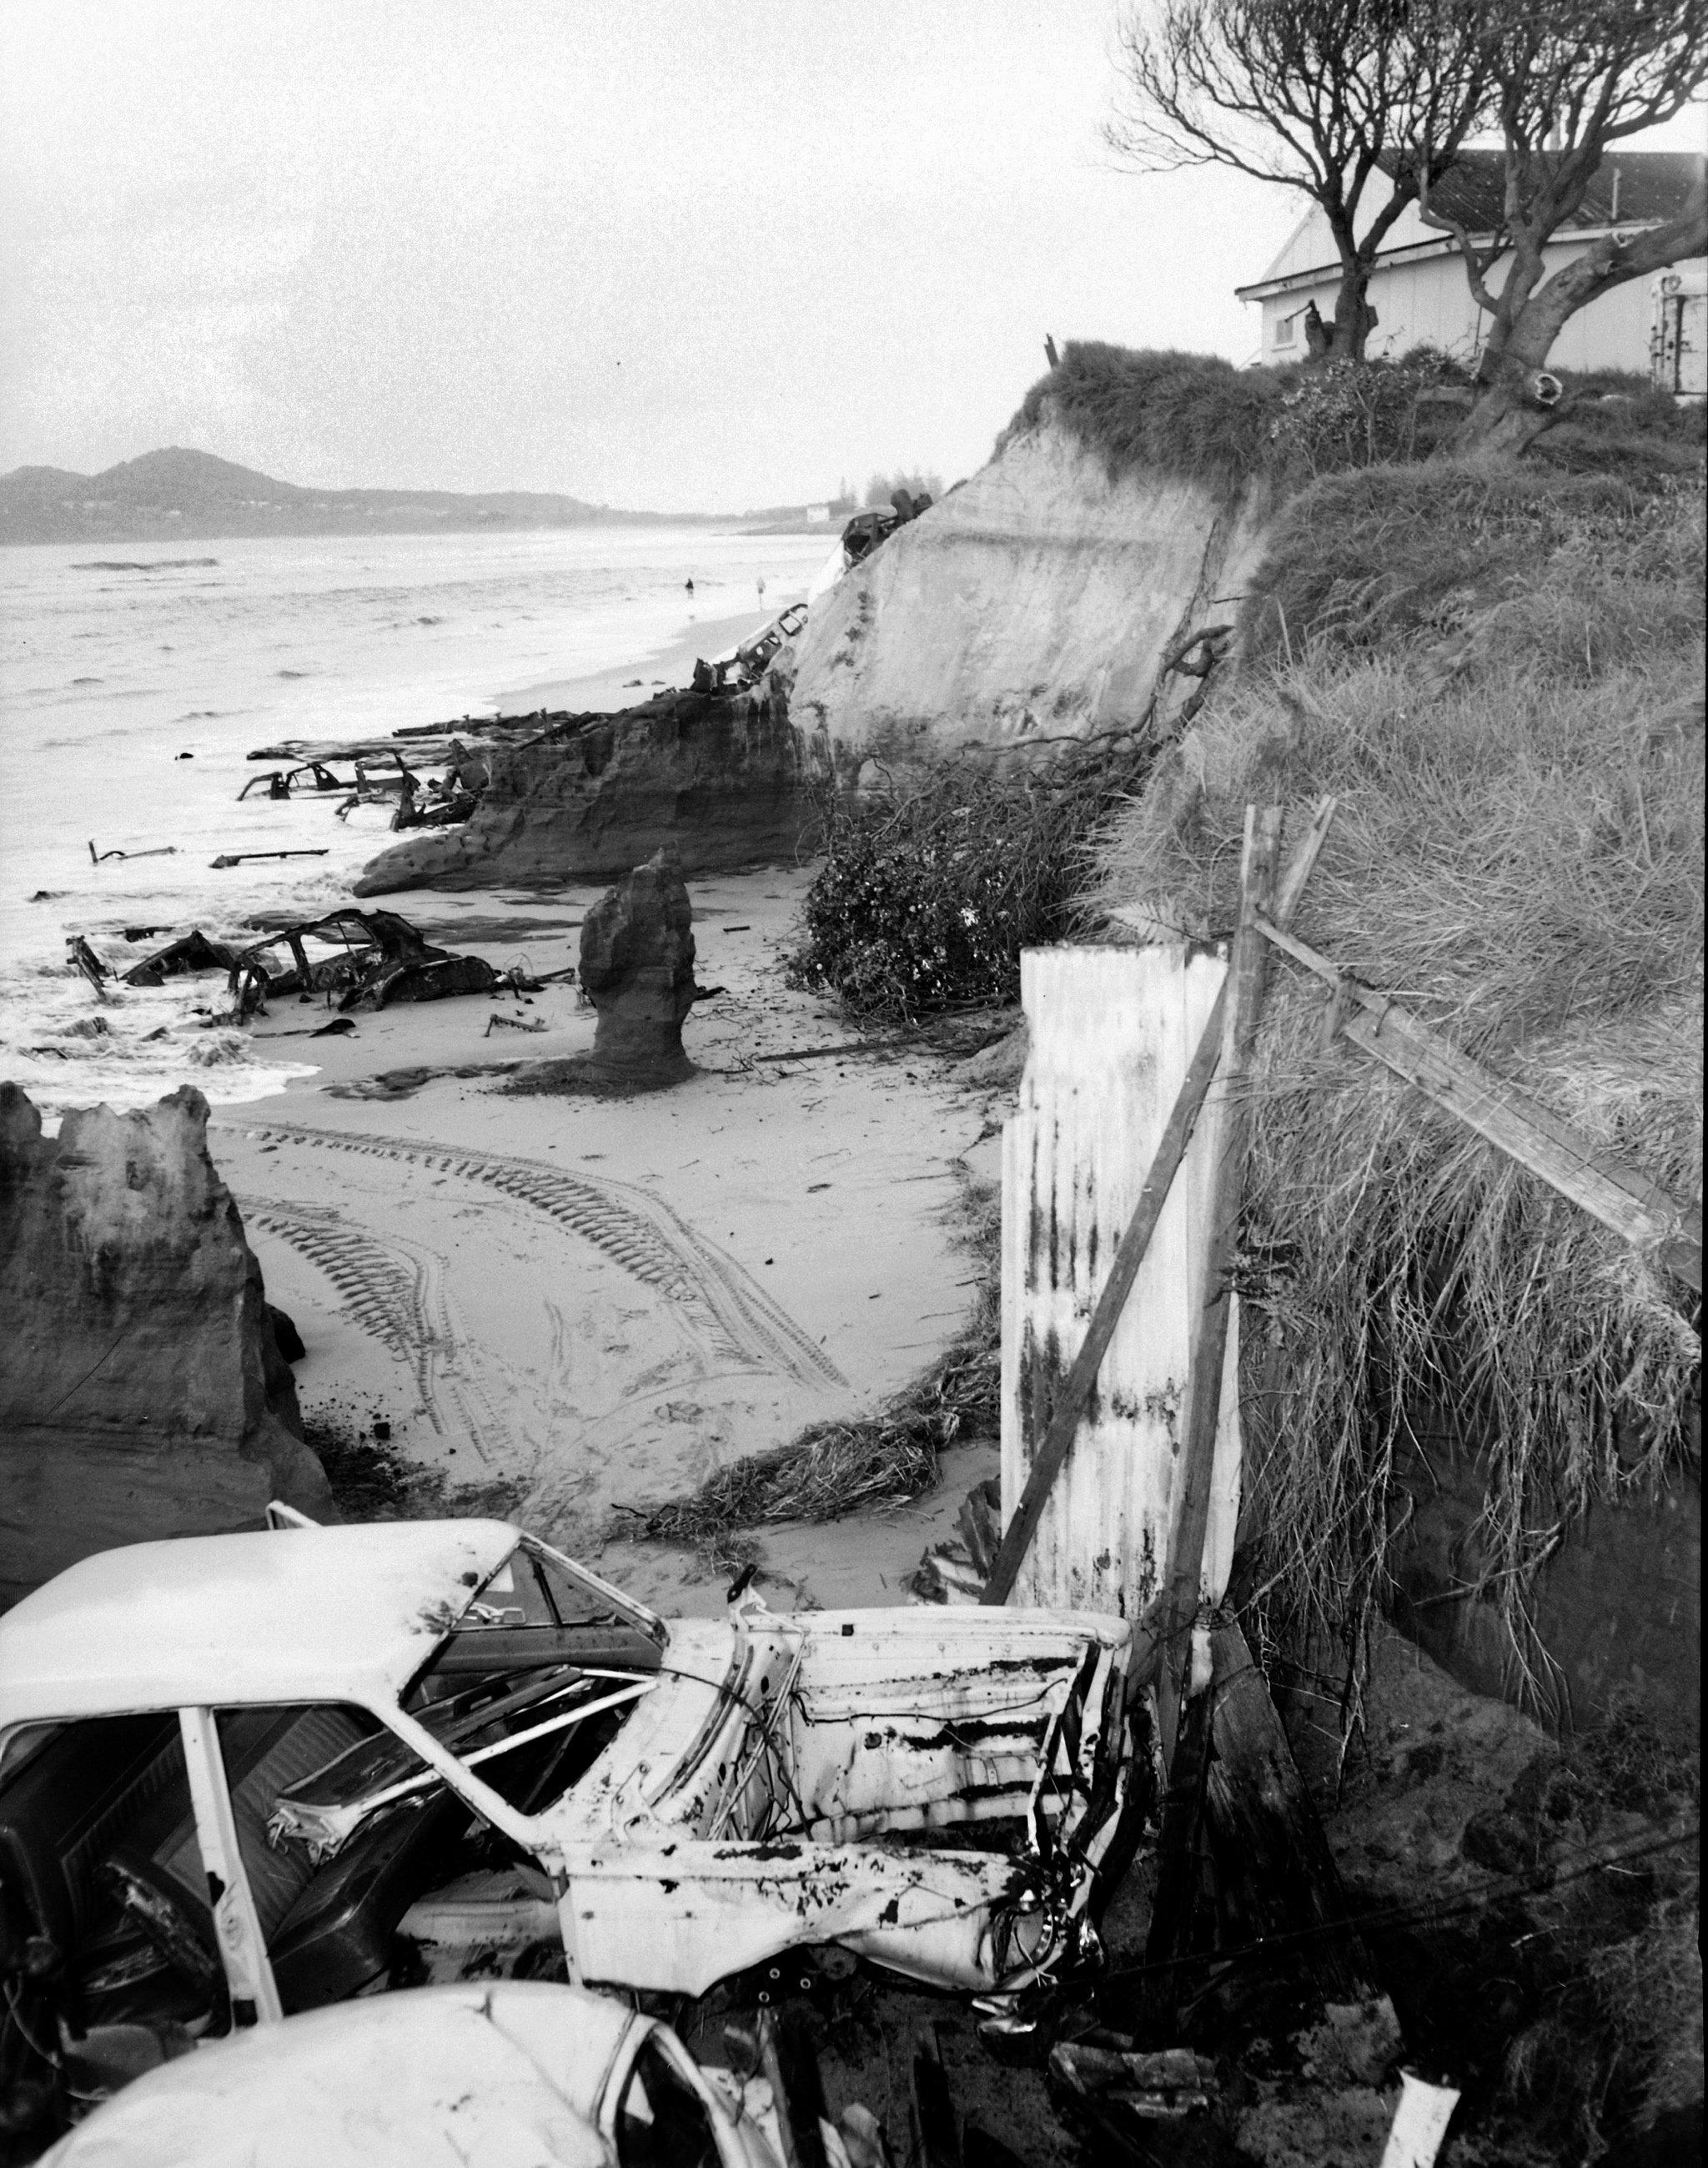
1571 77
1325 97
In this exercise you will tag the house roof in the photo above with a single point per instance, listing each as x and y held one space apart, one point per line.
342 1613
1652 185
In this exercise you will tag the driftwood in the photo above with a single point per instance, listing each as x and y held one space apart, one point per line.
1640 1210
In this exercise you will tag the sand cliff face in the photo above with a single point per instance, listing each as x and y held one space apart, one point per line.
141 1393
720 776
1037 600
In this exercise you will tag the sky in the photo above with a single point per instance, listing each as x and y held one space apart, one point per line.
665 255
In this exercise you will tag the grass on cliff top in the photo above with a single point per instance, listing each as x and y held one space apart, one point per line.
1499 679
1196 418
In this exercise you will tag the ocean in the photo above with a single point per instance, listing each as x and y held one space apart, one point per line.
115 660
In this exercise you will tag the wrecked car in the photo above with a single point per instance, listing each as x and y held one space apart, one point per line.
282 783
368 959
747 663
183 958
506 2070
245 1776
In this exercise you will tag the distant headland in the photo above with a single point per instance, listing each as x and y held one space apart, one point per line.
186 496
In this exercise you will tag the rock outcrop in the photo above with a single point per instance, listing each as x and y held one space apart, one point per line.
638 968
1039 599
142 1393
719 773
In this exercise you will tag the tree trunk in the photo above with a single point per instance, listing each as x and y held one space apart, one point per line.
1354 319
1520 399
1511 410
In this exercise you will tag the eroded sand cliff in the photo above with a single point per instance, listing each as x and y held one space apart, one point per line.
1039 599
141 1393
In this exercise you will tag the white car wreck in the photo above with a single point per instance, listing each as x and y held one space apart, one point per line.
244 1776
512 2074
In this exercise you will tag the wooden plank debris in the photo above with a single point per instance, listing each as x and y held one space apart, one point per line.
1640 1210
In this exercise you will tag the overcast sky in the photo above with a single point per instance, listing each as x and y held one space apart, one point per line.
669 254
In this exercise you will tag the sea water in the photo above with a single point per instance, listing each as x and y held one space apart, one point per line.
116 661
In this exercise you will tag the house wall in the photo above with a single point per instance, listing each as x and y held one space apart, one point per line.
1427 300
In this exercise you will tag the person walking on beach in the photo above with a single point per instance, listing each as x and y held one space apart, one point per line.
690 585
761 586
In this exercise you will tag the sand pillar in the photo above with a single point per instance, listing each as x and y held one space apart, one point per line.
1112 1031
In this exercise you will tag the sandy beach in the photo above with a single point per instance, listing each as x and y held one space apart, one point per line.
625 685
595 1302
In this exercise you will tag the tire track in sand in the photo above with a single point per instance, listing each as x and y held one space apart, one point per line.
395 1291
727 1312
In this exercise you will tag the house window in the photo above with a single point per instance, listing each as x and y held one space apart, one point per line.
1286 330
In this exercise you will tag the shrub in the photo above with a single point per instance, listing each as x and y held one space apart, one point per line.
929 891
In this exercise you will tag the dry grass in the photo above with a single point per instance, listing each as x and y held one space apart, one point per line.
1518 856
1588 569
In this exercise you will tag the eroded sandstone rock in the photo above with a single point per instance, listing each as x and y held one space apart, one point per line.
142 1394
637 968
721 773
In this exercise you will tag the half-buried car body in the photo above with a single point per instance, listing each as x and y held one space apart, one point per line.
242 1776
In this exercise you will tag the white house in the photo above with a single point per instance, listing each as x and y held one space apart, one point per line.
1419 289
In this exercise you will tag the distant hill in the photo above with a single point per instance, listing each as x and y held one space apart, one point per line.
177 495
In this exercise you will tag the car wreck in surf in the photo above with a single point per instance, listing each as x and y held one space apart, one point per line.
245 1776
367 958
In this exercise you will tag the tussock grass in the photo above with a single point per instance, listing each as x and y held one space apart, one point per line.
1194 417
1518 856
1371 560
1190 415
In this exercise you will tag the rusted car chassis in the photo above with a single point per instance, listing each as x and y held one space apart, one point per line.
377 958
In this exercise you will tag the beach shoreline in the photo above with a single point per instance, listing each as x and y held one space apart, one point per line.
667 666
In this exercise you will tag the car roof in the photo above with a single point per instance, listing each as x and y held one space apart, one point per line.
491 2071
339 1614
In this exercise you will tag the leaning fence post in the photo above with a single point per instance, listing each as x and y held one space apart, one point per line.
1226 1139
